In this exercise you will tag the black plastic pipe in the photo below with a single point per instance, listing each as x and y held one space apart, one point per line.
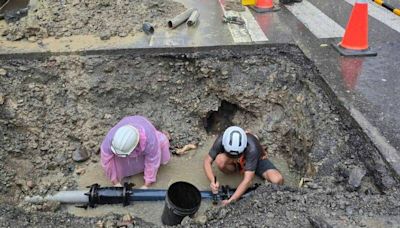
124 195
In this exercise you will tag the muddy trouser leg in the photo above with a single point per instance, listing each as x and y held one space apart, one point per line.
264 165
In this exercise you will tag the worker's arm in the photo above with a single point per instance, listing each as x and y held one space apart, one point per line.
210 174
208 168
243 186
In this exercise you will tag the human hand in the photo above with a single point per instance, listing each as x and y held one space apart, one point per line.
225 202
214 187
117 184
144 187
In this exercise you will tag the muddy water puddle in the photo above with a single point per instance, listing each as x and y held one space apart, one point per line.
188 167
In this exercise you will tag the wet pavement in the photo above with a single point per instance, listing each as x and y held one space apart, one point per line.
366 86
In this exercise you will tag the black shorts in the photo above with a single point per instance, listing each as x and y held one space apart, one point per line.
264 165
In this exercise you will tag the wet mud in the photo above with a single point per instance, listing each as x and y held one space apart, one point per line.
52 106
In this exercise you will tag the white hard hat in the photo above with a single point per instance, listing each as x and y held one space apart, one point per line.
125 140
234 140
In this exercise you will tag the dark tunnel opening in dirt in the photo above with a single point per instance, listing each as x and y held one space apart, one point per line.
51 106
216 121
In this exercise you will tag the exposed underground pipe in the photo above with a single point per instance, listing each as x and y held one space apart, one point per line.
117 195
178 20
193 19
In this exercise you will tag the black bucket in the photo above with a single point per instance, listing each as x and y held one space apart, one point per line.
182 199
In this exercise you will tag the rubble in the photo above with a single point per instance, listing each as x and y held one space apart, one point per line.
105 20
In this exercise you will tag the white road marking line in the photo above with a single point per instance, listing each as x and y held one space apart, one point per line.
383 15
315 20
250 32
253 28
238 32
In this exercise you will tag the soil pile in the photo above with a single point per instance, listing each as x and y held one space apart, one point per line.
103 18
322 206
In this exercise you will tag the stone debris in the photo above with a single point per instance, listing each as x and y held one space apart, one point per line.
318 222
80 171
127 218
30 184
2 99
355 178
185 149
3 72
80 154
95 17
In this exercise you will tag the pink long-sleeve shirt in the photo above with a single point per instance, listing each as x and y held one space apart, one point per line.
152 150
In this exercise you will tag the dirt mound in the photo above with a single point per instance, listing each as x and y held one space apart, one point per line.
323 206
15 217
103 18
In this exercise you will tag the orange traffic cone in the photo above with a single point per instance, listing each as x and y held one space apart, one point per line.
355 40
265 6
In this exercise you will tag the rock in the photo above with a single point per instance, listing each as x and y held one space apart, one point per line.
122 34
318 222
80 170
30 184
204 70
109 69
105 36
355 178
186 221
3 72
313 186
222 213
300 98
185 149
109 224
349 211
80 155
201 219
51 206
32 39
127 218
100 224
75 2
2 99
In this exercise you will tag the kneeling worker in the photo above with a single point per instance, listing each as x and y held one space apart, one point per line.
238 151
134 146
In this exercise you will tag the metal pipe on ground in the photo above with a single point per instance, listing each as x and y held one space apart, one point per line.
193 19
181 18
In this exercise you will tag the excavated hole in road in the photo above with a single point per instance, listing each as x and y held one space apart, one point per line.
53 106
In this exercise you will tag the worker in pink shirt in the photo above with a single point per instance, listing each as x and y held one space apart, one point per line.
134 146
